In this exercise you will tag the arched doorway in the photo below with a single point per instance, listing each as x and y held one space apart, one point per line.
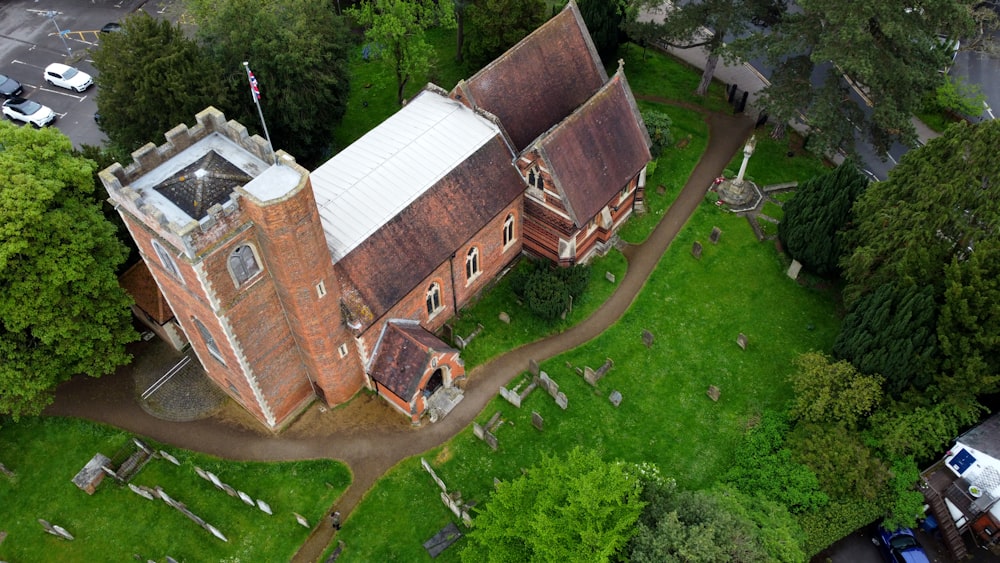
435 382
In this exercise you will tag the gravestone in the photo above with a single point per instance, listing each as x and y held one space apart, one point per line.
301 520
427 467
794 269
229 490
92 474
713 393
448 333
442 540
477 430
264 507
615 398
245 498
511 396
61 532
215 532
5 471
169 457
647 338
494 421
533 368
491 440
661 189
141 491
504 318
714 237
610 277
537 421
741 340
590 376
214 479
696 250
562 400
201 473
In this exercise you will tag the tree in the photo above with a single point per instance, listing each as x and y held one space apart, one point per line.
707 23
496 25
712 526
832 392
577 508
298 50
604 22
396 29
891 52
814 218
62 311
460 6
847 467
151 77
892 332
658 124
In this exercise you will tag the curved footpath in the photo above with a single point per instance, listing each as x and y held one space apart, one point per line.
370 452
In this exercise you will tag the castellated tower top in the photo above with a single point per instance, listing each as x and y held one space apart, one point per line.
188 184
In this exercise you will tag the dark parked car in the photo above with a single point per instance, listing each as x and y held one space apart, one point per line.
112 27
9 87
900 546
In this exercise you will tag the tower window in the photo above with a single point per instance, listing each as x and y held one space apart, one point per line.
166 260
206 336
243 264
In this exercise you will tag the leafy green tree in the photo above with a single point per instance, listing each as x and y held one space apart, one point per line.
577 508
907 502
298 50
847 467
496 25
832 392
957 95
815 216
396 28
151 77
604 20
712 526
707 23
921 425
62 311
890 50
892 332
658 124
764 467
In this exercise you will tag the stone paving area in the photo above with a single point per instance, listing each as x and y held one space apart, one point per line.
188 395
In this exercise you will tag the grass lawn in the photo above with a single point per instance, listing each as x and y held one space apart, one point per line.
653 73
116 524
775 161
695 309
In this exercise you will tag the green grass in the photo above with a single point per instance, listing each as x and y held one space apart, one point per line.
116 524
773 210
498 337
936 118
651 73
695 309
771 163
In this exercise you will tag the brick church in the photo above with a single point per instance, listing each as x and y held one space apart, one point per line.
291 284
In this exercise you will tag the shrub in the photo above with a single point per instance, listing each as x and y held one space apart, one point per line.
658 124
546 295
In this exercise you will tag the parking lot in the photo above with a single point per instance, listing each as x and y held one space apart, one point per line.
29 41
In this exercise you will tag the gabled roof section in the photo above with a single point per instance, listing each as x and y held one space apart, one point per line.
403 356
139 283
367 184
541 80
423 235
984 437
594 153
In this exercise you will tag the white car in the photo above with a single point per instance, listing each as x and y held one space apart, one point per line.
28 111
67 77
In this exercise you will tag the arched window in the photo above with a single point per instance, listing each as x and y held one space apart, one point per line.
243 264
508 230
166 259
433 299
213 348
472 263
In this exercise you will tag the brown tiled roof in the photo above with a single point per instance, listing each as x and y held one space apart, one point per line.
139 283
594 153
403 355
391 262
540 80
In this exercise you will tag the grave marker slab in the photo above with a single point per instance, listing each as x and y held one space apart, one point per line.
477 430
696 250
140 491
61 532
201 473
491 440
442 540
647 338
714 393
504 317
741 340
533 367
264 507
92 474
714 237
169 458
615 398
537 421
245 498
610 277
301 520
590 376
562 400
794 269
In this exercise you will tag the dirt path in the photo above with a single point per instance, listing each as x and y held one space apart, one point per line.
366 434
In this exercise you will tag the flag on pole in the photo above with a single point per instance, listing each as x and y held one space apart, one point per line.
253 84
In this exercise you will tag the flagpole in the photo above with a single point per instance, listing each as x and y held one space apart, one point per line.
255 94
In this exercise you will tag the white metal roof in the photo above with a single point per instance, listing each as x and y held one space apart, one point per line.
364 186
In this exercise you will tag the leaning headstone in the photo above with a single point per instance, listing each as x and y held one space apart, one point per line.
511 396
504 318
590 376
610 277
427 467
477 430
229 490
201 473
647 338
171 559
615 398
5 471
169 457
214 479
713 392
494 421
61 532
215 532
301 520
245 498
696 250
144 493
264 507
741 340
491 440
714 237
142 446
45 524
562 400
794 269
537 421
533 368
